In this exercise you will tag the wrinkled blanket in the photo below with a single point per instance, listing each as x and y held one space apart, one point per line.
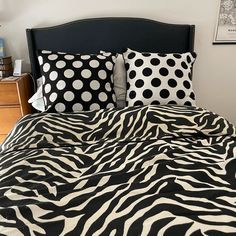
149 170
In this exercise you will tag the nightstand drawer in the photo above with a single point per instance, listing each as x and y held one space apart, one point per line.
8 118
8 94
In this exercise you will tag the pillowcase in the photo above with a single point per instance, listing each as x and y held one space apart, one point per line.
37 98
157 78
119 75
76 82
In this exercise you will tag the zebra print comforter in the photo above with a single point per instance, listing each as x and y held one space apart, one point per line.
151 170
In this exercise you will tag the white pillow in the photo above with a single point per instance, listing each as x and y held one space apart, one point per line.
159 78
119 76
37 99
39 81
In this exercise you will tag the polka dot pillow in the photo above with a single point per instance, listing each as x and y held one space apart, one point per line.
76 82
157 78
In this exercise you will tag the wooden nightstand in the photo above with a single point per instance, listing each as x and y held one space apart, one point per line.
14 95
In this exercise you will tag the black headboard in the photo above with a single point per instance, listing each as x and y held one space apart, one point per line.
110 34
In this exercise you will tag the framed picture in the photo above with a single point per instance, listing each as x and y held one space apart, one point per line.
1 48
226 24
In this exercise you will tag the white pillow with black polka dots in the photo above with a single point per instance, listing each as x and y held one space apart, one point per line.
76 82
157 78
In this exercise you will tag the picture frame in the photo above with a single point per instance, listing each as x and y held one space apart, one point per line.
2 54
225 32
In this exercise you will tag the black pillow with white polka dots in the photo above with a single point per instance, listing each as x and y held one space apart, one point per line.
157 78
76 82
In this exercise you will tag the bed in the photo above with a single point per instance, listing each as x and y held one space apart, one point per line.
138 169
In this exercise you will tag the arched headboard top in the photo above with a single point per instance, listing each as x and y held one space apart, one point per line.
112 34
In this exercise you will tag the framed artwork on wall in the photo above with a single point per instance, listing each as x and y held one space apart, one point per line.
225 32
1 48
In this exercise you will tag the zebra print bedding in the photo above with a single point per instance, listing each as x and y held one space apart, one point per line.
149 170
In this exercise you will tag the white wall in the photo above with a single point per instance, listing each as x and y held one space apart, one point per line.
214 72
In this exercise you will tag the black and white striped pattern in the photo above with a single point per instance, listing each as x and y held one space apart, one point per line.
151 170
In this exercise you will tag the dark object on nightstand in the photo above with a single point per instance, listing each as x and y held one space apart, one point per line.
6 66
14 95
